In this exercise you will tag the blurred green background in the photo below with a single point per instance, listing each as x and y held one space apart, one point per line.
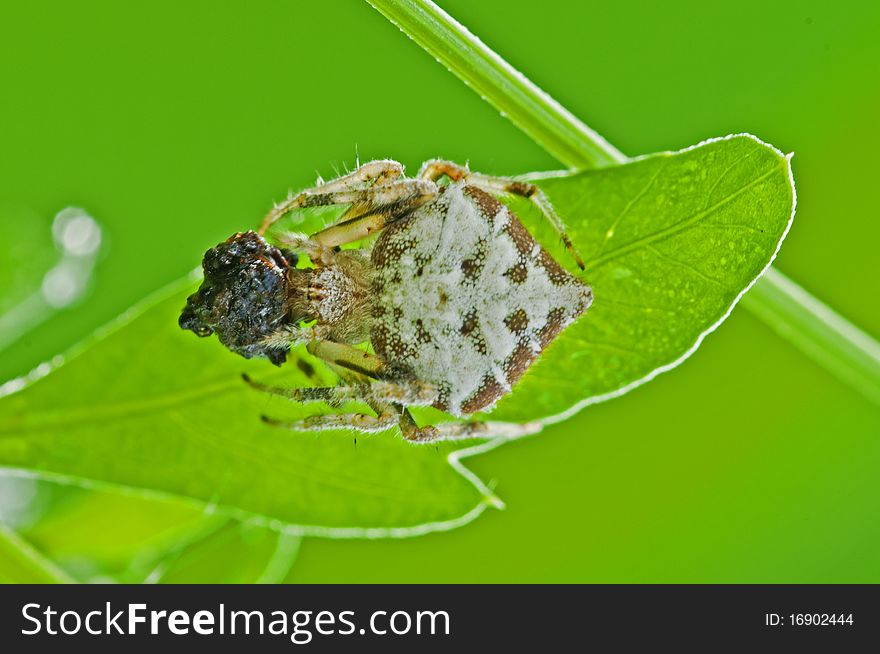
175 124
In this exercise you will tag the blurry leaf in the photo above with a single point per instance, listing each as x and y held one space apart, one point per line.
20 563
96 536
235 553
92 535
671 241
149 407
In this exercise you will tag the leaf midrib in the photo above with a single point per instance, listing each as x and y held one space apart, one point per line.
127 408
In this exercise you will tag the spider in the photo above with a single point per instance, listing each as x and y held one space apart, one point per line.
455 296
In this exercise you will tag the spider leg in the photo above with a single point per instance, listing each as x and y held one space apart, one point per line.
385 418
348 357
378 394
461 430
378 172
371 210
290 335
358 421
387 414
387 398
332 395
434 169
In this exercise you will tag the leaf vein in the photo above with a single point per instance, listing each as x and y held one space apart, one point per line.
686 266
666 232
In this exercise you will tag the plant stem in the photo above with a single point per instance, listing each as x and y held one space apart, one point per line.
790 311
517 98
840 347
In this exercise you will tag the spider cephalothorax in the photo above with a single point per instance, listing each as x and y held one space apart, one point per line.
455 296
244 296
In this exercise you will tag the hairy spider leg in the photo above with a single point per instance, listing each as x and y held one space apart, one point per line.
385 418
376 393
338 421
348 357
388 399
385 398
434 169
377 206
462 430
380 172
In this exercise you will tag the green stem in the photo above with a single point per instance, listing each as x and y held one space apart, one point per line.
840 347
537 114
20 563
815 329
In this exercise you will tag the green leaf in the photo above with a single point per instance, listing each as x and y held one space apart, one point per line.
843 349
144 535
236 553
671 242
20 563
148 408
57 540
153 540
137 533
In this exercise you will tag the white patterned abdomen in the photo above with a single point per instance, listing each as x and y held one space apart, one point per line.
465 299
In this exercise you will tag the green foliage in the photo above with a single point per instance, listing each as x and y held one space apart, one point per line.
22 564
152 409
153 539
617 502
102 536
218 557
671 241
844 350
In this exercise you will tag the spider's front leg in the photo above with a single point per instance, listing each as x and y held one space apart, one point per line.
370 210
378 173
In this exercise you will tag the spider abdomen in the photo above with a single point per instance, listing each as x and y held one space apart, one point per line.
465 299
